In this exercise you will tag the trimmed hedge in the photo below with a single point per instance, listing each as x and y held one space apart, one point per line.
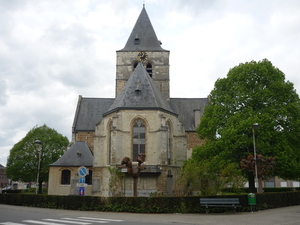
146 204
283 189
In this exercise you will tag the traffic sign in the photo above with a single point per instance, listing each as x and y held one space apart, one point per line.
81 179
81 191
81 185
83 171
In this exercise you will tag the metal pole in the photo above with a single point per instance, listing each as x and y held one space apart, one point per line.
256 176
38 173
124 183
39 165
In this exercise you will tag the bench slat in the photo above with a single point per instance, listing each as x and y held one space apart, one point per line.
224 205
220 202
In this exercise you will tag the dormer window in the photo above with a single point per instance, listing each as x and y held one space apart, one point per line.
149 69
136 40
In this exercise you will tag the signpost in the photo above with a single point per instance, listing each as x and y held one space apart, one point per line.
124 171
82 172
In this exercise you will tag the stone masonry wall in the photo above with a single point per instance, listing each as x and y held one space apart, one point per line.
160 70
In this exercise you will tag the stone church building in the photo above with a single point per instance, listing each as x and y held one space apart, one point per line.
142 118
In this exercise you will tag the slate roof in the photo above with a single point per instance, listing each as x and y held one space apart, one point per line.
89 112
71 157
140 92
185 108
143 30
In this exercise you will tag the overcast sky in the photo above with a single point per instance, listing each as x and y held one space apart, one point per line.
52 51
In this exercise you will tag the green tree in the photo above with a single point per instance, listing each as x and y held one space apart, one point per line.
210 176
253 92
24 157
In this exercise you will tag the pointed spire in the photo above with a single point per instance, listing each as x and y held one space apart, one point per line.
143 37
140 92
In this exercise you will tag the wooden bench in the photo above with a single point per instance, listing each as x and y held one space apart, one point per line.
220 202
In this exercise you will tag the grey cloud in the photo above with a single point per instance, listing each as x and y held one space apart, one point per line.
3 92
73 37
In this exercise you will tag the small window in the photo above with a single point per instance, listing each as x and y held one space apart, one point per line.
269 184
65 177
136 41
149 69
89 178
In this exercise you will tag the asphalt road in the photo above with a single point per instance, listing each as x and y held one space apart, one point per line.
18 215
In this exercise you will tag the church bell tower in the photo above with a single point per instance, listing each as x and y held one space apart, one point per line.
143 46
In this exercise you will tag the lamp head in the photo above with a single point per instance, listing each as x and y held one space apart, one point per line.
38 142
255 126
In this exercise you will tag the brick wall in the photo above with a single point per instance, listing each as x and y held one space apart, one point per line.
193 140
88 137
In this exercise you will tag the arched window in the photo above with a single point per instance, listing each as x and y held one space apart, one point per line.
110 143
65 177
149 69
139 141
168 144
89 178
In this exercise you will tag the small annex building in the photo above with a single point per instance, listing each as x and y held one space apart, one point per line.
142 118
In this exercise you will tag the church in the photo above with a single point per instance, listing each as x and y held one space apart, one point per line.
142 118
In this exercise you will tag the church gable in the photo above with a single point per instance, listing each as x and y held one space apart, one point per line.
130 132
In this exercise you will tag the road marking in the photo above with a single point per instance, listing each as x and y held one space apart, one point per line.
85 220
112 220
65 221
10 223
41 222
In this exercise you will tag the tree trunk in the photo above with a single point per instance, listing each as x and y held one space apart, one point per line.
260 185
251 182
135 181
40 190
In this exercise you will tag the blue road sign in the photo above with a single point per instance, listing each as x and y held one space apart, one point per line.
81 179
81 191
82 171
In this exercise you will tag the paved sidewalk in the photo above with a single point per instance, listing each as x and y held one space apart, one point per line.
280 216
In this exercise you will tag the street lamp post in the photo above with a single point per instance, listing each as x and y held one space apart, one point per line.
255 126
38 142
